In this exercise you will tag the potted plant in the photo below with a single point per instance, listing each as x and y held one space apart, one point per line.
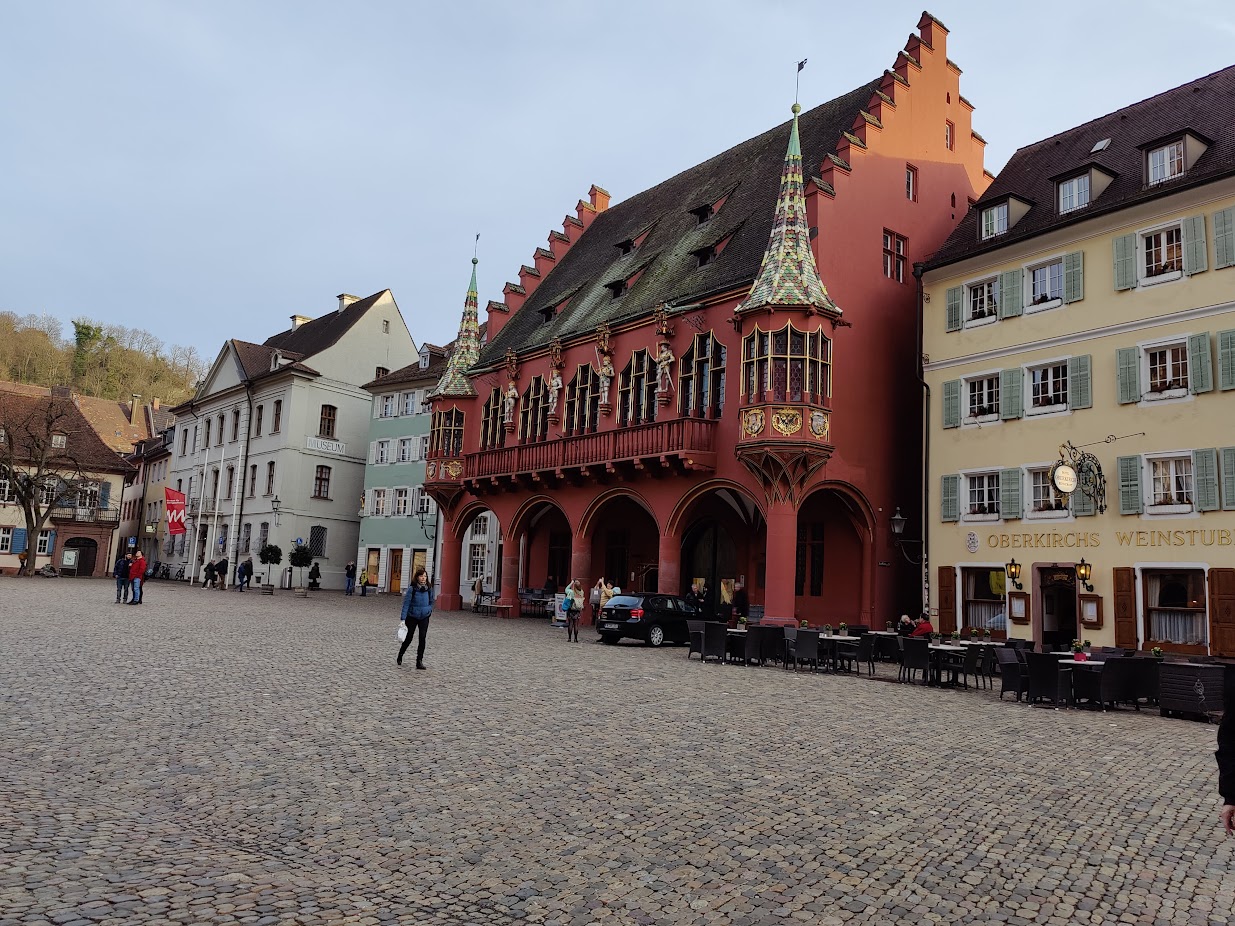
844 629
827 630
956 637
270 556
974 633
804 624
935 638
1078 651
742 619
986 635
1086 644
300 558
1157 653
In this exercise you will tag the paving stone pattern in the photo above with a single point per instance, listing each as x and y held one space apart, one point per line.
212 757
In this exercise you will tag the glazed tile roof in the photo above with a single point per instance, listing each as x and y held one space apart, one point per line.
454 381
1206 107
747 177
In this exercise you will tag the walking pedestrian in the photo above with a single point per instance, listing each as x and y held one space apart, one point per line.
121 574
574 597
417 609
220 573
364 582
349 577
315 576
248 573
137 572
208 578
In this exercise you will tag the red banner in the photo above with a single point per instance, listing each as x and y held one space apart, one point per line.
175 510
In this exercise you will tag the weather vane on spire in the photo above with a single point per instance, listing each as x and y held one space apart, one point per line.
797 79
475 247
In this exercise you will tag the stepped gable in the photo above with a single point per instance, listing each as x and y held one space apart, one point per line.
315 336
745 179
1206 107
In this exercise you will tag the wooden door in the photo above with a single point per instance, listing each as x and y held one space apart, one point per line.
396 571
1125 607
947 599
1222 612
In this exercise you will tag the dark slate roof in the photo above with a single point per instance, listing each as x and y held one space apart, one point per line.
84 448
411 374
1205 106
315 336
255 360
749 174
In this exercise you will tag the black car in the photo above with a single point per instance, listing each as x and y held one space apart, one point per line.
653 618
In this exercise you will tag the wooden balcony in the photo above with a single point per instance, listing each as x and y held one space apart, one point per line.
661 448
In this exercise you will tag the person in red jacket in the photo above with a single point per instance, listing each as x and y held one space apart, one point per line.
137 572
923 627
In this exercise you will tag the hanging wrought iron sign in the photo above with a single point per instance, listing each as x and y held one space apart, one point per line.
1079 470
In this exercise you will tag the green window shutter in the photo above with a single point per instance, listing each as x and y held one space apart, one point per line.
1080 391
1010 405
1129 485
1010 294
1125 262
1010 493
1128 374
950 498
1082 504
1200 371
1224 238
1226 360
952 403
1196 257
105 495
1205 479
51 544
1074 276
954 308
1228 478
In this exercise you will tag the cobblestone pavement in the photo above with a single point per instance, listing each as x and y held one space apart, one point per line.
213 757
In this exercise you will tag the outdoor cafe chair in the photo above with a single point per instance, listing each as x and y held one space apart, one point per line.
1050 679
1012 676
917 658
695 629
857 630
989 667
863 651
752 646
790 641
805 649
771 643
715 641
1107 684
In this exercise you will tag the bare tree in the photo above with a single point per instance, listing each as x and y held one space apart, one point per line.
47 452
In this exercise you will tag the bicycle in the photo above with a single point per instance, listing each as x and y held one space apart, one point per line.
165 570
180 574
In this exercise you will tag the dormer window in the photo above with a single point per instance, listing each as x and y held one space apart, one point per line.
275 359
59 441
381 371
703 213
1073 193
1166 162
617 288
625 247
994 221
704 256
424 359
551 311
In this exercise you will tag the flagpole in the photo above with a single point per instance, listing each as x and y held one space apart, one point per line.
797 79
214 515
201 500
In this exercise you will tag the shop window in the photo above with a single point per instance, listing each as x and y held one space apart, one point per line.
1175 607
982 605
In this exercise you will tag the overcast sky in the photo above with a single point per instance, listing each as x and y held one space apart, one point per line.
206 169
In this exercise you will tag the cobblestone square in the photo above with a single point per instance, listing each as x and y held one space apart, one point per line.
212 757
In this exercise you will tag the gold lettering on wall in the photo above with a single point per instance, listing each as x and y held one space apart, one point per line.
1045 540
1186 538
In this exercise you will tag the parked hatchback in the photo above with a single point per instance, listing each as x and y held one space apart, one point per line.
653 618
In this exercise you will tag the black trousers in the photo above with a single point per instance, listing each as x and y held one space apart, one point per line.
412 626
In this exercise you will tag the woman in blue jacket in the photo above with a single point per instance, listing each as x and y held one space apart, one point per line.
417 607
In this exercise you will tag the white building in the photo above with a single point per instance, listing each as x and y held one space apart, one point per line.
272 447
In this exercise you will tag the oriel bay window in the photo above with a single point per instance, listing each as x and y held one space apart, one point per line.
701 386
534 411
447 436
787 366
637 390
492 434
583 401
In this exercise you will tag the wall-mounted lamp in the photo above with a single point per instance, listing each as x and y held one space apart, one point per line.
274 506
897 522
1084 572
1014 572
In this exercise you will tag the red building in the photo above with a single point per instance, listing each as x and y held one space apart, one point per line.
716 378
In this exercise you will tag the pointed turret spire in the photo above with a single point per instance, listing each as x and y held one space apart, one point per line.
788 275
454 381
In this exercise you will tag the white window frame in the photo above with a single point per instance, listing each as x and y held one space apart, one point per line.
1179 393
377 503
998 224
423 501
388 409
59 441
1169 171
992 477
6 540
480 526
405 452
42 546
949 134
1143 237
424 359
401 503
1073 188
1029 295
911 183
1055 408
477 560
1147 484
8 495
424 445
968 419
1028 493
381 452
407 403
990 298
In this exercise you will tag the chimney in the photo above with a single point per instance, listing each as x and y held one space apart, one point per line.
346 299
298 320
133 404
61 392
154 403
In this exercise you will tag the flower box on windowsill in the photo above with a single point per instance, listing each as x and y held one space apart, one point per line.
1169 391
982 516
1172 508
1043 306
989 418
1164 277
1048 514
1039 407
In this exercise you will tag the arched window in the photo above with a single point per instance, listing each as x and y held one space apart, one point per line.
637 390
534 412
787 366
701 384
492 434
447 437
583 401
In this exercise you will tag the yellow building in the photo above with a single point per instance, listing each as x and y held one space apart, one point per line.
1088 299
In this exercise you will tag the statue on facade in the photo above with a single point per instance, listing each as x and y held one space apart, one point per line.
509 399
664 370
555 388
604 369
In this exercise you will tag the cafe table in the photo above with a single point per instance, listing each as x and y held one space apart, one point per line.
937 650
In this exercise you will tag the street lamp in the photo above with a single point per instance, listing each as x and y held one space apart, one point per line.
420 516
897 523
1084 572
274 506
1013 570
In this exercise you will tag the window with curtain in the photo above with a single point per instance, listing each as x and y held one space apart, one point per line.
1175 607
701 383
984 591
